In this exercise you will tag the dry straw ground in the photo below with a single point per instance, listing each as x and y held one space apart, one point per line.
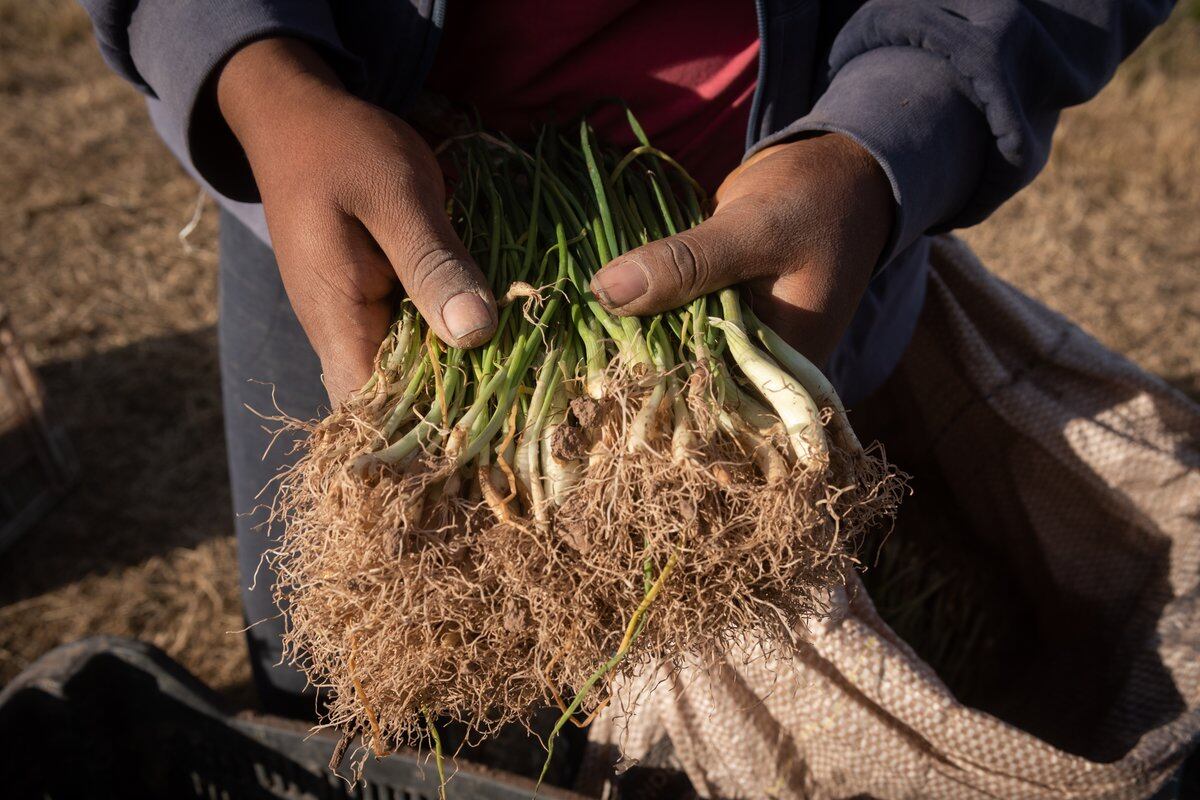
118 315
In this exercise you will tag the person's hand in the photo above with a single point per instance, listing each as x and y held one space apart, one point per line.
801 225
355 205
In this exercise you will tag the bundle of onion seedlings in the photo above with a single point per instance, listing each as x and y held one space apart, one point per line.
480 533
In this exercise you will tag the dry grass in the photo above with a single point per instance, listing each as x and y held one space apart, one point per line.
1109 234
119 317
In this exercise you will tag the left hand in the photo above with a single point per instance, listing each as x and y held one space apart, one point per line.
801 225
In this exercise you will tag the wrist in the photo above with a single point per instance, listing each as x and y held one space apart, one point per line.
866 179
846 160
856 195
265 86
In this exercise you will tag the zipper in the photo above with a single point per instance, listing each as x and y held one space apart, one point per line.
437 19
755 123
433 35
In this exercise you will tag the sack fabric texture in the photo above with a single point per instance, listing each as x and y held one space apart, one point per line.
1066 470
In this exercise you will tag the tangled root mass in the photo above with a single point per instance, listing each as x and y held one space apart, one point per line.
407 596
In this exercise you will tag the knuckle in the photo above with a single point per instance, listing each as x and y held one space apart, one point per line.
687 261
324 296
333 281
438 271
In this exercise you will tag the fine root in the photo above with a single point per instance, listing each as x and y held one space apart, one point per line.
405 600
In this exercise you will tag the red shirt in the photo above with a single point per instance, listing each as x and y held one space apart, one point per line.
687 68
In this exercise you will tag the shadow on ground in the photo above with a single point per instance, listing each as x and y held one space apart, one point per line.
145 420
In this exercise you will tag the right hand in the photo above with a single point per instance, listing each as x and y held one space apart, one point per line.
355 205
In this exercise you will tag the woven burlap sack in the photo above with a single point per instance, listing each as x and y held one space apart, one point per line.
1078 475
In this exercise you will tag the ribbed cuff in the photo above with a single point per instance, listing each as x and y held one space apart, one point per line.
178 46
908 108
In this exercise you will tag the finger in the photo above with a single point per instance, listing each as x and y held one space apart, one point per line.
436 271
665 274
340 286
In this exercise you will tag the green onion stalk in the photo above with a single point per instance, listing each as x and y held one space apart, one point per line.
478 533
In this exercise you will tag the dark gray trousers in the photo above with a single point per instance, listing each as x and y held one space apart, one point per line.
263 351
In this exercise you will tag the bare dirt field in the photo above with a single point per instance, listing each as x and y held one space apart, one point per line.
118 314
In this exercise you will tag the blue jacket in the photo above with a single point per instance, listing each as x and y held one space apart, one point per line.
957 99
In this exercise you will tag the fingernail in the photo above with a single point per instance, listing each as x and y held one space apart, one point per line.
465 314
620 284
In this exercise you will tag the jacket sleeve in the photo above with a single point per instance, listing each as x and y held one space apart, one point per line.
958 99
171 49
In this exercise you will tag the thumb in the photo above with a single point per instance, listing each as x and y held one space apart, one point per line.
670 272
440 277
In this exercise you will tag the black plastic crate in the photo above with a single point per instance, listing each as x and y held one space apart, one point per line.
114 718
